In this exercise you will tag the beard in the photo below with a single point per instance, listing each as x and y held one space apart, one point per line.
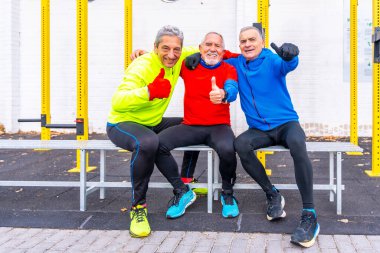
211 60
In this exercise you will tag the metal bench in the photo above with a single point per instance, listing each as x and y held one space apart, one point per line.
333 148
334 186
86 187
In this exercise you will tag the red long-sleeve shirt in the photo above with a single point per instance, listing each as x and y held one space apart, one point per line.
198 109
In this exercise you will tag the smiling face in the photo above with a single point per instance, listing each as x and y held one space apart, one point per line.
169 50
251 43
212 49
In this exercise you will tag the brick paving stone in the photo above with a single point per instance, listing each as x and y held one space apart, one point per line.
376 245
220 249
373 238
169 244
292 250
239 245
366 251
191 238
274 246
184 249
254 249
156 237
12 243
360 242
100 243
41 247
148 248
204 245
274 237
224 239
133 245
326 242
176 234
325 250
30 243
58 236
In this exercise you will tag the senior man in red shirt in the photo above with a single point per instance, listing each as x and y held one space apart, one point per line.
208 90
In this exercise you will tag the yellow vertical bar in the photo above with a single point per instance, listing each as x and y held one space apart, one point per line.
354 75
353 71
375 172
45 67
82 66
127 32
82 77
263 18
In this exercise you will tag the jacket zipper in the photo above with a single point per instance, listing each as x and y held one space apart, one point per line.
254 103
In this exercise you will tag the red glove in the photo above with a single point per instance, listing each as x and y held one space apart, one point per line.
160 87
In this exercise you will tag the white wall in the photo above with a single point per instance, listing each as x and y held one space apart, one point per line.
317 86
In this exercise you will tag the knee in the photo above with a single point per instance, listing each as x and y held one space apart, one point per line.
242 145
297 144
148 145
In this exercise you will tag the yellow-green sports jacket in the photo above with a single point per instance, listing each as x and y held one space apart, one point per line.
131 99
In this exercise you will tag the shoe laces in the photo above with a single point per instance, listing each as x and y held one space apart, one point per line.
229 199
139 213
272 200
306 221
178 193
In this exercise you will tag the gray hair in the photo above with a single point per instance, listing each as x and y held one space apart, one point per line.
204 38
252 28
169 31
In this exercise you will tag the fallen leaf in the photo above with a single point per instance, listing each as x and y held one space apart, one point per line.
19 190
344 220
124 209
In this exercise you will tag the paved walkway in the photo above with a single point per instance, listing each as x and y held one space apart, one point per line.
58 240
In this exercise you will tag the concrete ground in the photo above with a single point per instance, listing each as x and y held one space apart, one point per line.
55 211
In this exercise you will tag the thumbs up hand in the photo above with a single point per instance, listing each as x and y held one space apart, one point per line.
216 94
160 87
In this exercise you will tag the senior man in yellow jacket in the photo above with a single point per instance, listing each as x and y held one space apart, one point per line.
137 112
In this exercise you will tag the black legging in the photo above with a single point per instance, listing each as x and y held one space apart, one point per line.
218 137
289 135
143 142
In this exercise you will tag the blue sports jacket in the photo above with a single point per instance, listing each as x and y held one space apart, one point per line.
264 97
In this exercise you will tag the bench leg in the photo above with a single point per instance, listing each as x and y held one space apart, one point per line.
331 172
102 191
216 175
83 179
339 183
209 181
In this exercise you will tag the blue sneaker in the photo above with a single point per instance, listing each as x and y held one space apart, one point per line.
307 230
181 200
230 207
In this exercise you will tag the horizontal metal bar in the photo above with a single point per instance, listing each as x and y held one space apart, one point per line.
281 186
41 183
29 120
61 126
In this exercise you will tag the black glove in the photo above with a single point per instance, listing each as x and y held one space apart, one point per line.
287 51
192 61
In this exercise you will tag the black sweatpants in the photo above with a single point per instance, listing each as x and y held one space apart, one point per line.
289 135
143 141
218 137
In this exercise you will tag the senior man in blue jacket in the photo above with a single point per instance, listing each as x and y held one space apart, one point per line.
272 120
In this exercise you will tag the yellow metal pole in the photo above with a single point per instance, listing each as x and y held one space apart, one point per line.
354 74
45 69
127 32
375 172
82 78
127 37
263 18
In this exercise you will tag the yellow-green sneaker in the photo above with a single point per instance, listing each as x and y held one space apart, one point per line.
139 221
191 180
199 191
